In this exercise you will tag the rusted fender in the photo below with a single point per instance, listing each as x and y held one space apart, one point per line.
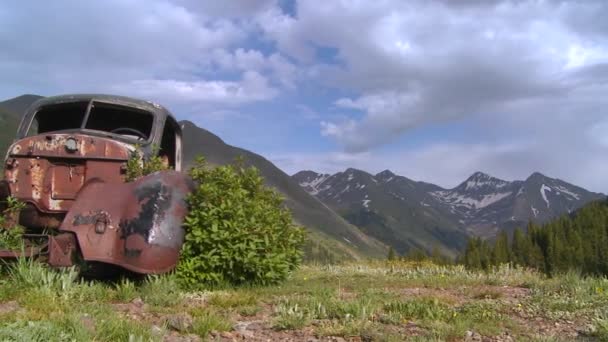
137 226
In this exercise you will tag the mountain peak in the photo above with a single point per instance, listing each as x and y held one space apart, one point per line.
386 173
480 176
479 180
351 172
304 173
385 176
537 175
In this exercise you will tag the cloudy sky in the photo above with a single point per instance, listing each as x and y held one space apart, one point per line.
433 90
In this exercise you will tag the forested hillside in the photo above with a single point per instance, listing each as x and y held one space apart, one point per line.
578 242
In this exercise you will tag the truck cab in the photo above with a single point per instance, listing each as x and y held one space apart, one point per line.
68 165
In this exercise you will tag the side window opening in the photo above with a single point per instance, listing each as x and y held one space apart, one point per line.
167 144
58 117
129 122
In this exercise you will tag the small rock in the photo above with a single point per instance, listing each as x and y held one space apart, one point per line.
137 302
241 329
471 336
245 334
181 338
240 326
181 322
588 329
253 326
192 338
226 334
156 330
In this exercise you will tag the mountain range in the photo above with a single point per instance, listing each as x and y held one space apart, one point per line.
408 214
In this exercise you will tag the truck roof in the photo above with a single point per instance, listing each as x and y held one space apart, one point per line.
152 107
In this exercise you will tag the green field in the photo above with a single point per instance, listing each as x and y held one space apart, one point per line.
378 301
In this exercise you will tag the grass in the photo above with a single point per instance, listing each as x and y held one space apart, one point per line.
376 301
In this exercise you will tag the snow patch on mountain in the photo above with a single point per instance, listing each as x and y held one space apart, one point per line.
397 196
568 192
543 193
480 180
314 184
345 189
534 211
456 199
350 177
476 184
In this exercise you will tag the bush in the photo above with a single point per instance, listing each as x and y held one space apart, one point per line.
138 166
10 231
238 230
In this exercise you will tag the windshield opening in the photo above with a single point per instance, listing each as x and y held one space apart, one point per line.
58 117
129 122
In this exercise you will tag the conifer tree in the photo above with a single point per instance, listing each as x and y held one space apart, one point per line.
391 254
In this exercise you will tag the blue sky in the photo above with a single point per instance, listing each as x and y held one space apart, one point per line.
433 90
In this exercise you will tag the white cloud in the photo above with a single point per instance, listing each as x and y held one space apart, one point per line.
406 70
253 87
167 51
275 65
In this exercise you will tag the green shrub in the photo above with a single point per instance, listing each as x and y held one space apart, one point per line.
238 230
138 166
10 231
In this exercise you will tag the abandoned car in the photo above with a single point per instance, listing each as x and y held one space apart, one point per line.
68 165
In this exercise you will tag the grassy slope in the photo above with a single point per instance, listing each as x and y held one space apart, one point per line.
380 301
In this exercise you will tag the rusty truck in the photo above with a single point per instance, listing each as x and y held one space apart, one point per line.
68 166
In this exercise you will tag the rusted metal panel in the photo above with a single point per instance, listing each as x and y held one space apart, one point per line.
61 250
41 170
71 146
136 225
